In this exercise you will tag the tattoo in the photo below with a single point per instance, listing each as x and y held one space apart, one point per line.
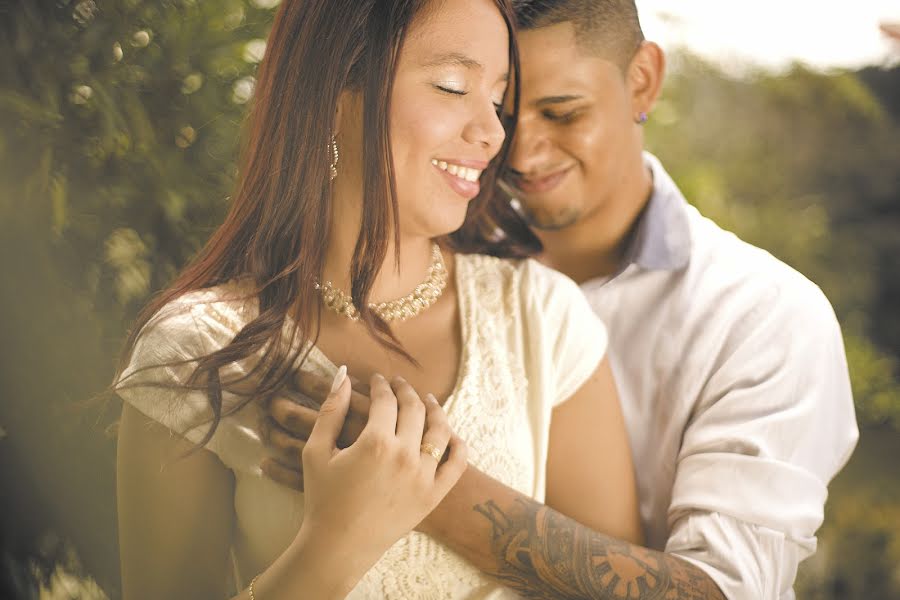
541 553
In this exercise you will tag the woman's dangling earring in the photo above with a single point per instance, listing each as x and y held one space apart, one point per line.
333 151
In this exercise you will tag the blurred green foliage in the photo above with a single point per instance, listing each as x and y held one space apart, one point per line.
119 128
807 166
119 125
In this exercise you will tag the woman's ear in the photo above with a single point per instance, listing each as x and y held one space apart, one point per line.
348 133
340 112
348 116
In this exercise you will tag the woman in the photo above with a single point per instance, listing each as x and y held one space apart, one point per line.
375 127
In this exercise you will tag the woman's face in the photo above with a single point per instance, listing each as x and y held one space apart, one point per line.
451 77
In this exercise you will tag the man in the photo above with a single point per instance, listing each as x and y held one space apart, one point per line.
730 365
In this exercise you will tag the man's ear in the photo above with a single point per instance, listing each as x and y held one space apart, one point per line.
644 78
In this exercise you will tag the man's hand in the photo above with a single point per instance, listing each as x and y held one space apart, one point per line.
288 424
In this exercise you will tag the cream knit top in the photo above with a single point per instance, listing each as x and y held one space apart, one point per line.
529 341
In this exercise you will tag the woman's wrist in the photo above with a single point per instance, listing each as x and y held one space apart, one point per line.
315 566
330 560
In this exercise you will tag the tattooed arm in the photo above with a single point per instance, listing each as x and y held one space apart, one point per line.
553 551
557 550
540 553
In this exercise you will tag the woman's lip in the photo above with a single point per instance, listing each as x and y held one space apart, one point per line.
481 165
466 189
542 184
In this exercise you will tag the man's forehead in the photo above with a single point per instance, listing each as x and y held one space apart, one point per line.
556 39
555 49
565 81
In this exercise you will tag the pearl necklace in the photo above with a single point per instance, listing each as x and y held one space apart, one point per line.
401 309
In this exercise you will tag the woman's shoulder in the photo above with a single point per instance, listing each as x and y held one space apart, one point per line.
157 379
486 268
527 270
552 325
527 277
220 311
188 327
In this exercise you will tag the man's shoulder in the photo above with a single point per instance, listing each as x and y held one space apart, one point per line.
725 269
719 267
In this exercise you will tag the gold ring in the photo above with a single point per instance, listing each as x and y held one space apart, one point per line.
432 450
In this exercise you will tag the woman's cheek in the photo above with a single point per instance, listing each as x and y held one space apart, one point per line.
426 123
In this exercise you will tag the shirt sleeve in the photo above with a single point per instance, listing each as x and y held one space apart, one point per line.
745 560
571 337
775 423
162 361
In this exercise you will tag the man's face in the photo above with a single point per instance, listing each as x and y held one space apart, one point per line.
575 130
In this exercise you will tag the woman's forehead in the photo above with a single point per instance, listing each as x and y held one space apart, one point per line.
464 33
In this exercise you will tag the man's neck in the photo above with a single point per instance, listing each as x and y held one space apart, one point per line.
596 244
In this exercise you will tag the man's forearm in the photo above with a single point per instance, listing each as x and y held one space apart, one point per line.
540 553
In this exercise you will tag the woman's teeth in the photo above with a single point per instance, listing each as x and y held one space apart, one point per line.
466 173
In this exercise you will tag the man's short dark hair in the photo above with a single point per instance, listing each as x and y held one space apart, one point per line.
609 28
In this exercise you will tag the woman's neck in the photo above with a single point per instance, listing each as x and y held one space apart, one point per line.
394 279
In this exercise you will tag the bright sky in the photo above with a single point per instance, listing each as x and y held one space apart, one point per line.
773 33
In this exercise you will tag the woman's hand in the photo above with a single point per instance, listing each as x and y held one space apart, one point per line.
379 488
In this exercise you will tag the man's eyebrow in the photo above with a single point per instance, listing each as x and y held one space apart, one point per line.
546 100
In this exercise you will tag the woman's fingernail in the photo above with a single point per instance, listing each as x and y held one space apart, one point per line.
339 378
431 398
379 376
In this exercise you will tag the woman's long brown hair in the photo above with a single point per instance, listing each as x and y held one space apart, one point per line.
277 229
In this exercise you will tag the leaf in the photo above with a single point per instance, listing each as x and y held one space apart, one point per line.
58 201
28 109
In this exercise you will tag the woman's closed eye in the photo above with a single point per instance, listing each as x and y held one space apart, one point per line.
498 106
450 90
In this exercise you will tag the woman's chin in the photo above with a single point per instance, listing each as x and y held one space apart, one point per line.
447 222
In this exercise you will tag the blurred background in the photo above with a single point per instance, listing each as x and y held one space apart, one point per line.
119 126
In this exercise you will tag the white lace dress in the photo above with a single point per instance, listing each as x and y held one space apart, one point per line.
529 340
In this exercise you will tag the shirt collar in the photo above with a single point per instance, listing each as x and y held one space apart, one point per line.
662 239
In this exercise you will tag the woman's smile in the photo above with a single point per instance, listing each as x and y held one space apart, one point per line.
461 175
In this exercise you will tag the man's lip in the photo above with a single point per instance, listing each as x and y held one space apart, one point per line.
544 183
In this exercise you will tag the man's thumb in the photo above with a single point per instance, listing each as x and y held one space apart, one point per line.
332 413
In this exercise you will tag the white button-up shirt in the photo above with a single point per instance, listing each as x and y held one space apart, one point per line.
734 385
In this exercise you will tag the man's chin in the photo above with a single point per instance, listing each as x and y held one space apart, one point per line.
548 220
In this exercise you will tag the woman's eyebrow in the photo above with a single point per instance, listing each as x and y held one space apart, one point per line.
453 59
458 59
